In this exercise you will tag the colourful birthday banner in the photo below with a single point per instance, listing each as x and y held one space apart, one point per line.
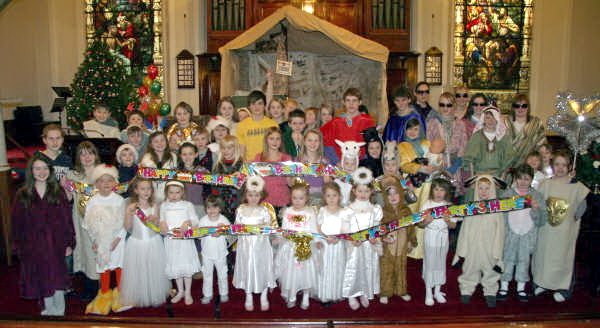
90 189
192 177
294 169
145 221
468 209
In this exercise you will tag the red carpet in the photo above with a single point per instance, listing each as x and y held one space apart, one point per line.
581 304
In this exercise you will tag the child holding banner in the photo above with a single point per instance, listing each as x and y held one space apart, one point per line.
361 278
214 251
435 241
295 266
254 256
182 258
396 244
144 280
230 162
159 155
332 220
480 244
521 232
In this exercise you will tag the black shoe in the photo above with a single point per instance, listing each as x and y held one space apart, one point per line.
326 304
465 299
90 289
459 263
70 292
490 301
522 296
502 295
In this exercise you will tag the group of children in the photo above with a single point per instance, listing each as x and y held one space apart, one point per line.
109 233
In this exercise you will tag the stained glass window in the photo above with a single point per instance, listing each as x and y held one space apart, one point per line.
492 45
131 28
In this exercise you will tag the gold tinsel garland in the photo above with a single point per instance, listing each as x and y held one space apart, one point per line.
302 249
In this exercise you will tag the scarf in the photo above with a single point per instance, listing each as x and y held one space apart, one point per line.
416 144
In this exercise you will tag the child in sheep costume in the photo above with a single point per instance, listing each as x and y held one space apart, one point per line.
103 221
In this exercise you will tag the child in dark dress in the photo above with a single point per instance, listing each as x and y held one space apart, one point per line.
43 234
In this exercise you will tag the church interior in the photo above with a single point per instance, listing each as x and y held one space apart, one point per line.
199 51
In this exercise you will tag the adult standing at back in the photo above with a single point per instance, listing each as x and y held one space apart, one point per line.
421 103
346 127
452 130
401 112
251 132
527 132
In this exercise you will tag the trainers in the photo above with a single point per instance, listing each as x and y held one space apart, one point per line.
440 297
429 301
383 300
538 290
353 303
490 301
502 295
364 301
264 304
558 297
206 299
406 298
249 305
224 298
189 300
177 298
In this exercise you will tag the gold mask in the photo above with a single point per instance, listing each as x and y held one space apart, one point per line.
557 210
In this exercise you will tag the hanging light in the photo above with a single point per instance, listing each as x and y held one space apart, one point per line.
308 6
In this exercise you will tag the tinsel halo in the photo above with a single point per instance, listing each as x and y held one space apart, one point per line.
576 119
255 183
362 176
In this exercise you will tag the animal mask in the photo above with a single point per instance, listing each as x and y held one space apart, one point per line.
350 149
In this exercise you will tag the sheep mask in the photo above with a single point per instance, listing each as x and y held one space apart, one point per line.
350 150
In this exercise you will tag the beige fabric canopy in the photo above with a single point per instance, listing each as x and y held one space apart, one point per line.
308 33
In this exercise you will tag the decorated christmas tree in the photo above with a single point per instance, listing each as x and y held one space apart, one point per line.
101 78
588 167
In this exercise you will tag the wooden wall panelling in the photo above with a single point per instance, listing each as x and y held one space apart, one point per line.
346 14
209 79
261 9
395 34
217 38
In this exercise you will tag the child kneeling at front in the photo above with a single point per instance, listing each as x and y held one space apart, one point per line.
214 251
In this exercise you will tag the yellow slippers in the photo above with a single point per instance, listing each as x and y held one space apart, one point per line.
101 304
116 302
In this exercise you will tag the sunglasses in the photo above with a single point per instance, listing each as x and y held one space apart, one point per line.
461 95
445 105
421 92
479 104
520 105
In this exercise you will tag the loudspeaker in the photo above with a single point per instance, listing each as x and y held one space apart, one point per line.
28 125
